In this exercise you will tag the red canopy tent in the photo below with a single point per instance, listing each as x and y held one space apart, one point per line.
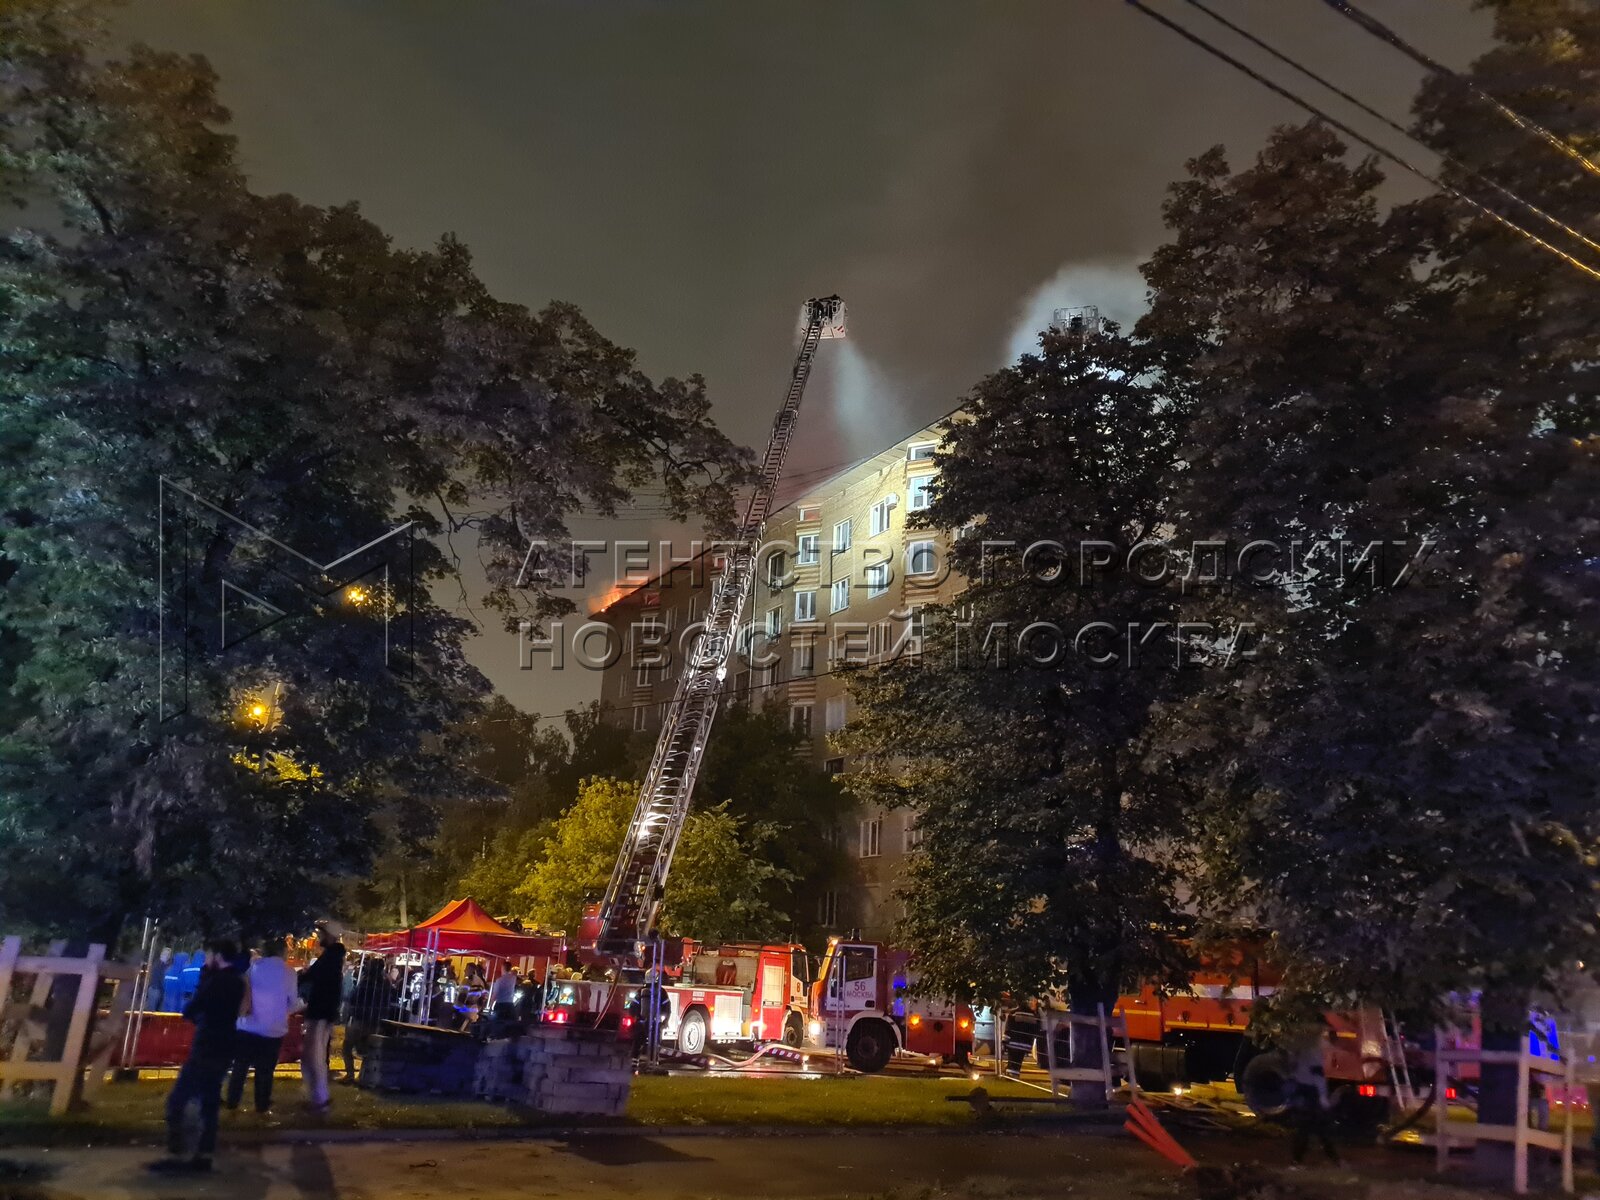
462 927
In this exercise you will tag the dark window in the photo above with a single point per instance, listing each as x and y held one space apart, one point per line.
860 962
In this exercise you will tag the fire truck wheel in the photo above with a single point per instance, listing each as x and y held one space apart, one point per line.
870 1046
692 1032
794 1030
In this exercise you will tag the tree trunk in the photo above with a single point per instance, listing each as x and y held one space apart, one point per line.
1504 1015
1088 997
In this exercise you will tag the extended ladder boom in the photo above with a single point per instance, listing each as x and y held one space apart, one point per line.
633 898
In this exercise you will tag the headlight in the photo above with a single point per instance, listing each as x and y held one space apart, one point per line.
814 1029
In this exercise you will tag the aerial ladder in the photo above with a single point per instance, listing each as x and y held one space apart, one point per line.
627 919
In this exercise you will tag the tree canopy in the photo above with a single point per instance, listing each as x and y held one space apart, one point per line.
290 367
719 877
770 807
1041 862
1394 404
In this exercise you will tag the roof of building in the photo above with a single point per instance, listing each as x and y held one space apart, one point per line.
628 592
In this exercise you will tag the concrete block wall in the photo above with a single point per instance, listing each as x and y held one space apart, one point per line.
558 1071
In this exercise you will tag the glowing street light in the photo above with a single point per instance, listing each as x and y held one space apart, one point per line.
260 709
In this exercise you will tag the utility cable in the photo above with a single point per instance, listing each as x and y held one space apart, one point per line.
1448 160
1306 105
1527 124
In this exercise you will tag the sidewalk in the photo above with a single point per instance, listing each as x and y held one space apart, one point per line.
714 1167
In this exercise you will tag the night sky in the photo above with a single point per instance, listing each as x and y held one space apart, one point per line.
689 172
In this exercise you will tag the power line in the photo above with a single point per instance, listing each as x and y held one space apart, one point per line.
1448 160
1527 124
1344 128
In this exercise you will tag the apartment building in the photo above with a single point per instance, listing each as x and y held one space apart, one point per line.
839 577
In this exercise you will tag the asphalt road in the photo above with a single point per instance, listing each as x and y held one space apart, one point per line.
881 1166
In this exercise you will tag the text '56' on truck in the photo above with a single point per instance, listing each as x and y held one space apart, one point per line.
861 1003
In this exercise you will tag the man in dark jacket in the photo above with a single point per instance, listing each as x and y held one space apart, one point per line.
213 1010
322 985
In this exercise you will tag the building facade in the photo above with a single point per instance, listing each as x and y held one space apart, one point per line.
839 578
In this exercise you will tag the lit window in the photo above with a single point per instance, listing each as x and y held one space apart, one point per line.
806 548
810 512
800 719
841 537
919 495
880 515
920 451
777 569
921 558
877 578
805 606
872 837
833 714
839 596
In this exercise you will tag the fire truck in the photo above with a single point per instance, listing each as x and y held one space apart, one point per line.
861 1003
737 994
1198 1035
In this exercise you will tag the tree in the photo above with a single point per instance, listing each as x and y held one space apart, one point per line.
1402 788
1043 861
757 768
519 772
718 882
1294 307
286 363
722 876
496 876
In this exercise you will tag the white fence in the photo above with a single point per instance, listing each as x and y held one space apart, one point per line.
82 1050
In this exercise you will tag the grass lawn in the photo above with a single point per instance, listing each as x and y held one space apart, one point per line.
124 1111
854 1100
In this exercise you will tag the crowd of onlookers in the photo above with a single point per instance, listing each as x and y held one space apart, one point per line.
241 1005
240 1008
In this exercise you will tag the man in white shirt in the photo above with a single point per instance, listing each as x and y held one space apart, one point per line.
503 991
271 994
